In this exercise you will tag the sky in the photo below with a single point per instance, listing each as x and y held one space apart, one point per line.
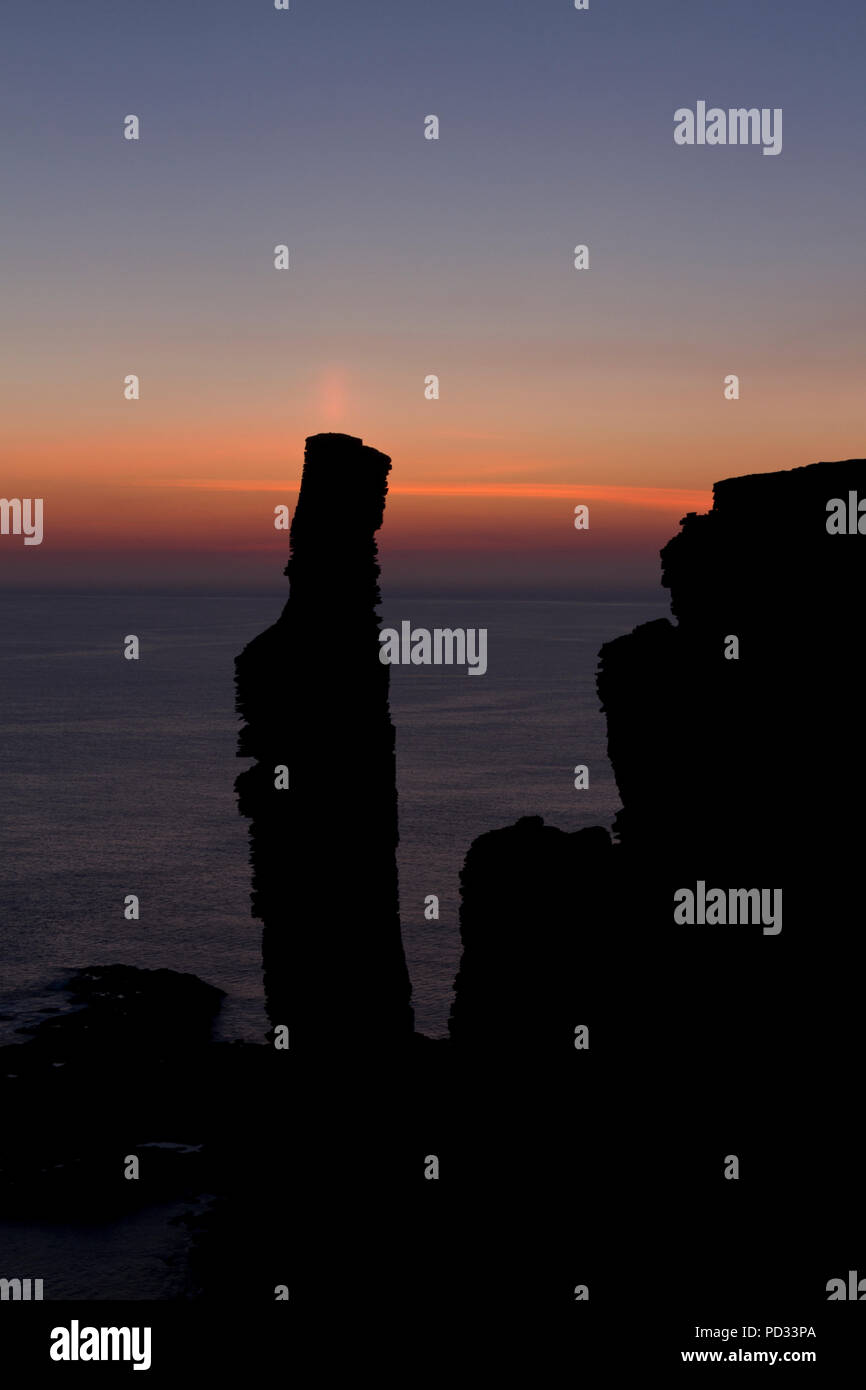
411 257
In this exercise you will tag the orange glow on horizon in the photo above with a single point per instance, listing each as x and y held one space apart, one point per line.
661 498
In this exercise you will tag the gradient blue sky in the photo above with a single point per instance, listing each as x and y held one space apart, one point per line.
411 257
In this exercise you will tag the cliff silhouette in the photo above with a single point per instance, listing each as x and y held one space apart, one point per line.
705 1041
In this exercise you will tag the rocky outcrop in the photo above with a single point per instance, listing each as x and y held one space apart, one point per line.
535 910
126 1067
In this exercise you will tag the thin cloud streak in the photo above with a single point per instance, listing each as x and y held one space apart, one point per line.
661 498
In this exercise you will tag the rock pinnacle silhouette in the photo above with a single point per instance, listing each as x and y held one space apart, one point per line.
313 695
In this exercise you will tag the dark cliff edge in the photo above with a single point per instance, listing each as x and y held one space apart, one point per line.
705 1040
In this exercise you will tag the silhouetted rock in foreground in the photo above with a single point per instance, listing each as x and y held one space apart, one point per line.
129 1065
152 1012
535 902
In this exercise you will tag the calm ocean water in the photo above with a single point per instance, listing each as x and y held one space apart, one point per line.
117 778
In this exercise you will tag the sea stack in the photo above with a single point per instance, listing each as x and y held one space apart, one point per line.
313 695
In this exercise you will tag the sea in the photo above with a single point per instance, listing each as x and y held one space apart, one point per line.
116 778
